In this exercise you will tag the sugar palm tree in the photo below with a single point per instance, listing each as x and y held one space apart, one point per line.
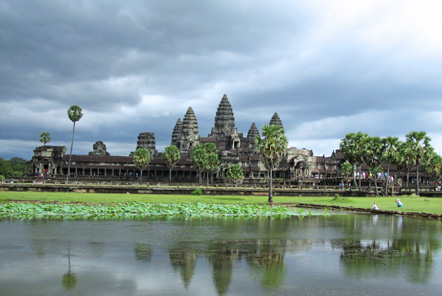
419 144
141 159
271 147
171 155
391 155
74 114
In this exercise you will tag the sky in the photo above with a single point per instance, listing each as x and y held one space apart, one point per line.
326 67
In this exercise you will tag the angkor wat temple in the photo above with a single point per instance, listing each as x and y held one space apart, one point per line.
233 148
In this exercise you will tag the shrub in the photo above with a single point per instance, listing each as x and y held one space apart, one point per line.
197 192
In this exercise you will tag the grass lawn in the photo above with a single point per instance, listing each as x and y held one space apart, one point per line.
411 203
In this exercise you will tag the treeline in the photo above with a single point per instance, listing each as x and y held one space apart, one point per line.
13 168
412 154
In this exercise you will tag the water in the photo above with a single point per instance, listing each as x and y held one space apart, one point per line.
320 255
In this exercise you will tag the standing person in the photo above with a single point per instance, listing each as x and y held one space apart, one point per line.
399 203
375 207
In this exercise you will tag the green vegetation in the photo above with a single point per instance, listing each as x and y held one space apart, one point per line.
136 209
411 203
271 147
360 148
171 155
13 168
45 138
235 173
141 160
205 159
197 192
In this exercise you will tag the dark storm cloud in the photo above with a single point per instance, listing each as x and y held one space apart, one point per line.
136 66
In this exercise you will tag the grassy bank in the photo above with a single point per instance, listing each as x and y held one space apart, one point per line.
411 203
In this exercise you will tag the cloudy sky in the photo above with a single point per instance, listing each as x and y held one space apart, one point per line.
327 68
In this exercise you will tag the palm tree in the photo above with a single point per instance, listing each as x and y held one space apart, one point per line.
74 114
141 159
45 138
171 155
272 147
419 143
352 146
391 155
373 152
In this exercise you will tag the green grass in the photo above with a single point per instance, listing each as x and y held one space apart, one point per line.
411 203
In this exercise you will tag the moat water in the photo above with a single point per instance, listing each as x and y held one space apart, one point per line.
318 255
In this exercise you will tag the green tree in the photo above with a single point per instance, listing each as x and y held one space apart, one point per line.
171 155
272 148
198 157
74 114
45 138
346 169
235 173
391 155
433 166
141 160
373 152
405 159
352 146
6 169
420 150
211 163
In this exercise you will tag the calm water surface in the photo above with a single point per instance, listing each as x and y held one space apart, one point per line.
319 255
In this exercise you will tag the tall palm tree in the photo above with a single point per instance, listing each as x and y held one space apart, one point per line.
391 155
171 155
420 146
272 147
74 114
141 159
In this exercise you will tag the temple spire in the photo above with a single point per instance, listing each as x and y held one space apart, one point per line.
276 120
224 119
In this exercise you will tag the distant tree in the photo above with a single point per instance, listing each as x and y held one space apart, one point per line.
346 169
211 163
433 166
420 150
272 148
198 158
391 156
74 114
141 159
373 152
171 155
45 138
235 173
6 169
352 146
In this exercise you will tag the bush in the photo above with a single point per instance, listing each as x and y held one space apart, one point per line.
197 192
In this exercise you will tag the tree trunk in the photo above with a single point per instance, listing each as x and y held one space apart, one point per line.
170 174
141 176
376 184
207 178
417 179
360 182
353 171
271 185
386 179
70 154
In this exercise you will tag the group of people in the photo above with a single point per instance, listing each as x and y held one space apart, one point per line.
398 202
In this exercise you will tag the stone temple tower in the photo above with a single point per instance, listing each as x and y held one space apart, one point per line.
186 134
276 120
224 120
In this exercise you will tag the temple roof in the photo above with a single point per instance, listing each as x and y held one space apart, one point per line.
253 131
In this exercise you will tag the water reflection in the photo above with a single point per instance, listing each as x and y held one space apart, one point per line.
347 253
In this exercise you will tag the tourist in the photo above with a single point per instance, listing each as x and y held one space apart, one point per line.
399 203
375 207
